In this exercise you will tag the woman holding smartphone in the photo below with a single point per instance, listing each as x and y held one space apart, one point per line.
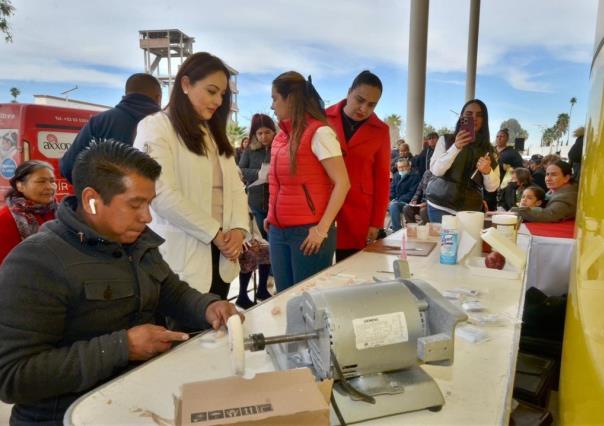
463 164
308 183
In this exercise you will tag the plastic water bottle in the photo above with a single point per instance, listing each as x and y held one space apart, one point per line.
449 240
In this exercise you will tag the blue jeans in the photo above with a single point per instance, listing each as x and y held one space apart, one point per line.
396 208
436 215
259 215
289 264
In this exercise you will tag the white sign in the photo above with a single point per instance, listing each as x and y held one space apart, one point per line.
54 144
380 330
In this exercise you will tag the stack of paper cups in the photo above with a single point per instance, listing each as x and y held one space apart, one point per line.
471 223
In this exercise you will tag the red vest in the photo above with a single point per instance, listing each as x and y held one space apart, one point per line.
300 198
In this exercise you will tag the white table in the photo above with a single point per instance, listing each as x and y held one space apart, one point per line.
549 263
477 387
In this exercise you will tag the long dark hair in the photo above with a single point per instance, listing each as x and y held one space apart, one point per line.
22 174
185 120
482 139
302 100
259 121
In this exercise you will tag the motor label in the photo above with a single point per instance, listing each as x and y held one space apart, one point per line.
380 330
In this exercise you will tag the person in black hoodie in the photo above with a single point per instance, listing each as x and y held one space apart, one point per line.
82 300
143 97
421 162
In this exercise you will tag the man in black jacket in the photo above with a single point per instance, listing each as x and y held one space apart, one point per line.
143 97
421 162
538 171
80 298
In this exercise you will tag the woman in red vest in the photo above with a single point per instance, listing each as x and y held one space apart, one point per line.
29 203
307 180
365 142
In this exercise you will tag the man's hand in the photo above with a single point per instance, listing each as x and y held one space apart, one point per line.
147 340
219 312
372 234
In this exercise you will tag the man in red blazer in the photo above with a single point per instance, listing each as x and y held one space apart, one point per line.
365 142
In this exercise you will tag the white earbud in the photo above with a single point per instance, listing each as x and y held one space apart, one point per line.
92 204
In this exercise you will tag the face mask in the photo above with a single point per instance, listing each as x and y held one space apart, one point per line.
403 173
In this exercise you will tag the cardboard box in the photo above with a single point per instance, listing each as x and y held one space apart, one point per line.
279 397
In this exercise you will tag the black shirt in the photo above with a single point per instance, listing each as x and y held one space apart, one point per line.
350 126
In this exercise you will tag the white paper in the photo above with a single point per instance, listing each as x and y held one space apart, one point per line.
466 244
262 176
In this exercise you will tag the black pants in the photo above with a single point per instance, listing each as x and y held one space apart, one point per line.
218 287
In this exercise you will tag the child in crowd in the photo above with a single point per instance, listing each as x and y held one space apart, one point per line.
532 196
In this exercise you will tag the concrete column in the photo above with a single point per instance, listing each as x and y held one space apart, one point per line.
416 82
472 49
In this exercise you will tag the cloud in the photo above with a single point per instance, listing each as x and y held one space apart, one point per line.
268 37
521 79
449 81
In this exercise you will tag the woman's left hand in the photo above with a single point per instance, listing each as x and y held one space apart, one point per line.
484 164
312 243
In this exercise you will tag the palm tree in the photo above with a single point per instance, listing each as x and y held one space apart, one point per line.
235 133
14 92
561 126
6 10
573 101
394 122
549 136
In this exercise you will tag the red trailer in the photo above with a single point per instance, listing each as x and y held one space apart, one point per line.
37 132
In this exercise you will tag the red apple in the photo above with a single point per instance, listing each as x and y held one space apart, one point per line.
494 260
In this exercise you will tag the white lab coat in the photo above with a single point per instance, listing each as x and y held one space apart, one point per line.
182 210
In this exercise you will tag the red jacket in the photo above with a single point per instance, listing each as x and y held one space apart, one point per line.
298 199
367 158
9 234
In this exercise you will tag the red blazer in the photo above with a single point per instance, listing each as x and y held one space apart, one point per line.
367 158
9 234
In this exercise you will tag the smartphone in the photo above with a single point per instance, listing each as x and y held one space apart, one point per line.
467 124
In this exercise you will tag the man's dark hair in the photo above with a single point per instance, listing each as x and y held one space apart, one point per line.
143 83
103 165
432 135
368 78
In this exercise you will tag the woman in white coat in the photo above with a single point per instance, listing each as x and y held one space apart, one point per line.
201 206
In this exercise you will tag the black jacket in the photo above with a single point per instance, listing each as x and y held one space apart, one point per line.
68 298
118 123
508 156
539 178
403 188
250 163
421 162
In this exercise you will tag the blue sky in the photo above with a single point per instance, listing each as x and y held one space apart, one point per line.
533 56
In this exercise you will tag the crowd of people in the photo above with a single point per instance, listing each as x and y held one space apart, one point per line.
166 213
